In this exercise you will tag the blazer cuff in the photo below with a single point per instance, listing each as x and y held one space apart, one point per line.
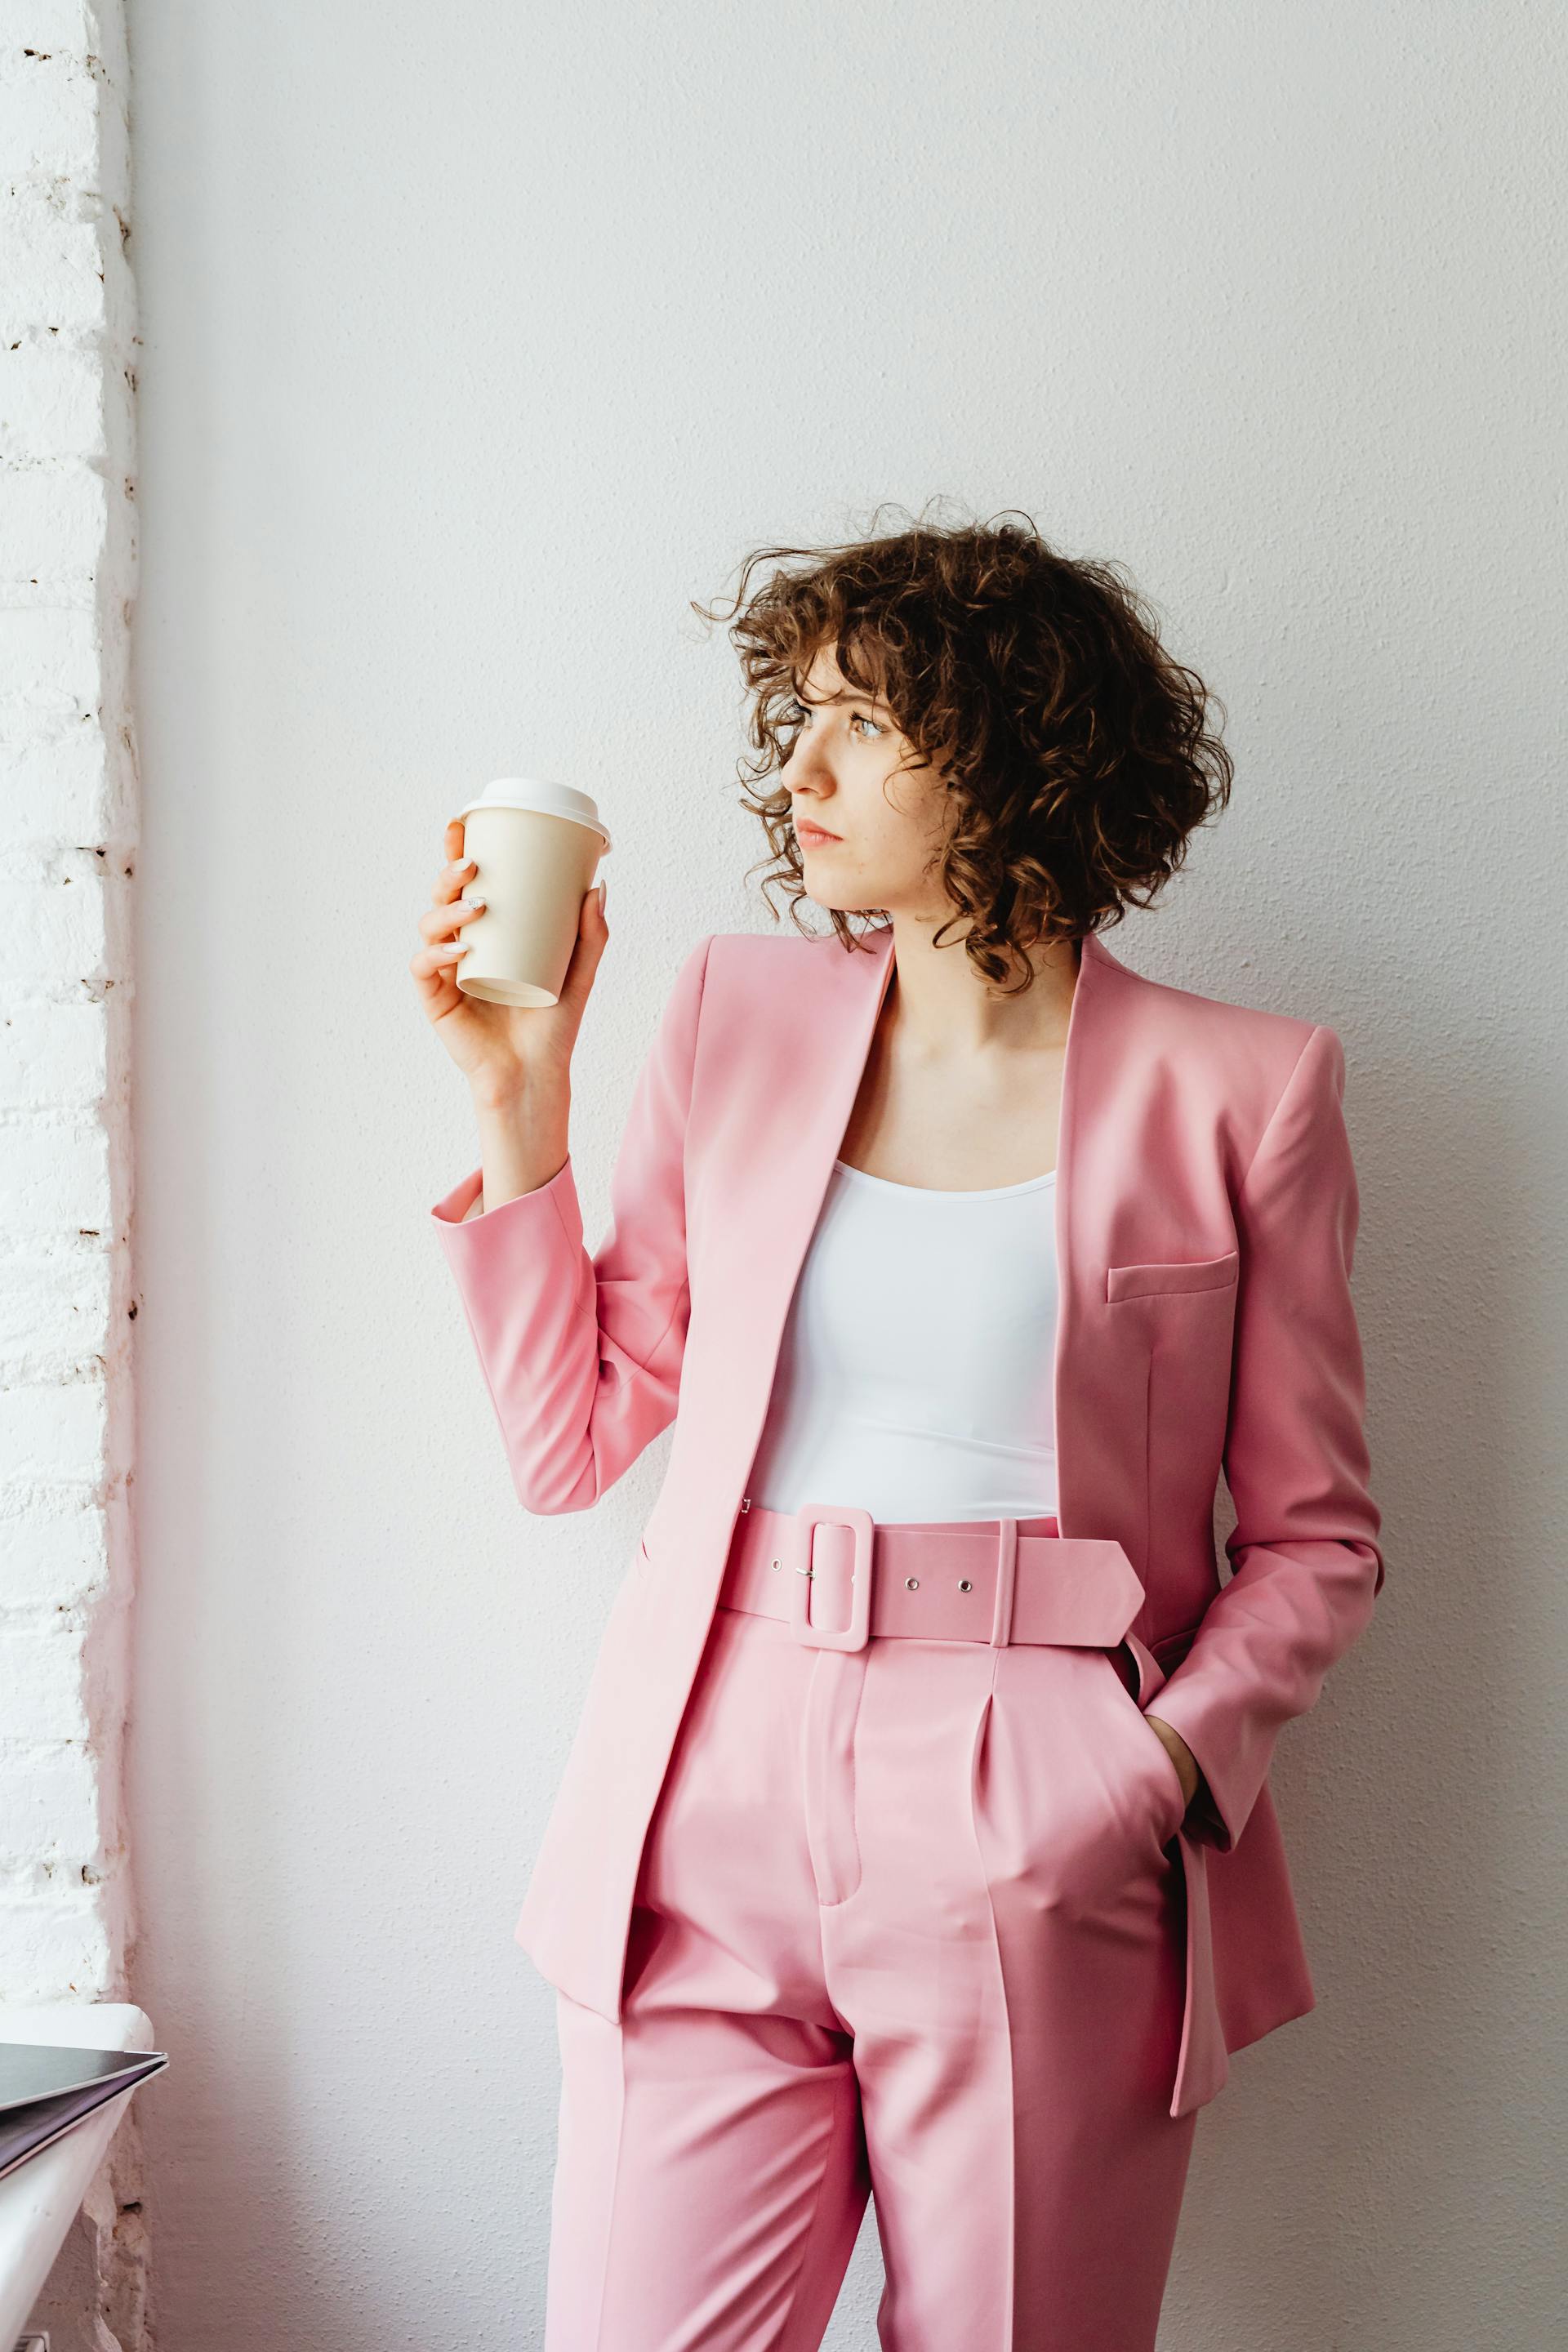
508 1259
1232 1754
559 1196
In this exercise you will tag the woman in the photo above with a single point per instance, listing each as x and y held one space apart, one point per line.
916 1839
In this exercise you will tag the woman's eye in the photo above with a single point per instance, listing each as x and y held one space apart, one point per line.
795 715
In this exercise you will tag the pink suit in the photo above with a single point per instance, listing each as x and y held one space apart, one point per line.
1205 1213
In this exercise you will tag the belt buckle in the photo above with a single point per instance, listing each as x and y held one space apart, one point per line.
855 1635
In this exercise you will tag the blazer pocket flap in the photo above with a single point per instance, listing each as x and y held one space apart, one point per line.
1177 1274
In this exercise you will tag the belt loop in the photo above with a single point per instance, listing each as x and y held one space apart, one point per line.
1006 1575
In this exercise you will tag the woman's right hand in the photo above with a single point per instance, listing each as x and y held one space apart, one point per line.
507 1052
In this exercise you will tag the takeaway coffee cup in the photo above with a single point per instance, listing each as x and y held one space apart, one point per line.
536 847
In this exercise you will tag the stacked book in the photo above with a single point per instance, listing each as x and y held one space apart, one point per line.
45 2092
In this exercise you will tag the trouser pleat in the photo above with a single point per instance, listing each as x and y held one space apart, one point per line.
904 1924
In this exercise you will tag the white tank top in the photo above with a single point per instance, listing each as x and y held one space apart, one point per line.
914 1372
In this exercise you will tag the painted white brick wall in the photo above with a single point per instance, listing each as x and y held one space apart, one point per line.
67 838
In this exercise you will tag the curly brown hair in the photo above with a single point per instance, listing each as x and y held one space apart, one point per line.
1078 753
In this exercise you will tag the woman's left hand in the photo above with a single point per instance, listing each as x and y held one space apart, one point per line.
1180 1754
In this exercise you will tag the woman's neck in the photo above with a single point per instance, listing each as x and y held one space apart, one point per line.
944 1007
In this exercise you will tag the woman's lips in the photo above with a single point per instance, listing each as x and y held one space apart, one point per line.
809 835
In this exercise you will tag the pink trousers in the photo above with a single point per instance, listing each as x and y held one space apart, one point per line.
909 1923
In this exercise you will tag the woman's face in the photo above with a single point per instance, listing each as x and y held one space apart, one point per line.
866 826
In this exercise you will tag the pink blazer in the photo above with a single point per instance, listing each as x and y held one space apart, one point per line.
1205 1214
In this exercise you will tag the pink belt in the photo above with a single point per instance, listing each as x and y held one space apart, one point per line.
836 1577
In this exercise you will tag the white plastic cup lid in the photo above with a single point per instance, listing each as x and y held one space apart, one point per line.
549 799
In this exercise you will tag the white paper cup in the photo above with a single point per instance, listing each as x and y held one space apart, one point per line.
537 846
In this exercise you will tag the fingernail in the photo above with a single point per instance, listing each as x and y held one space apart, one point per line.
604 893
469 900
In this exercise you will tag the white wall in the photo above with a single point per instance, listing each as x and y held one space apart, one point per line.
476 344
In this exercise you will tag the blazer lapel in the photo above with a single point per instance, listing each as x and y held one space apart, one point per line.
777 1119
1098 1169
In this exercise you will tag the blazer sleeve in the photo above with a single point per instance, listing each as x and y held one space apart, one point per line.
1304 1551
582 1354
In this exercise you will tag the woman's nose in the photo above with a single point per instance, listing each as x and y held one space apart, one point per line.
807 769
811 792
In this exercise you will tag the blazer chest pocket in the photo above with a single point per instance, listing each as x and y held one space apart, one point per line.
1159 1279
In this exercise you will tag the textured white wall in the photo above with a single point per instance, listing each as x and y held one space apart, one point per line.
68 845
476 345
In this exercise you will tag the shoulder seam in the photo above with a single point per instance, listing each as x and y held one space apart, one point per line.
707 946
1269 1124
